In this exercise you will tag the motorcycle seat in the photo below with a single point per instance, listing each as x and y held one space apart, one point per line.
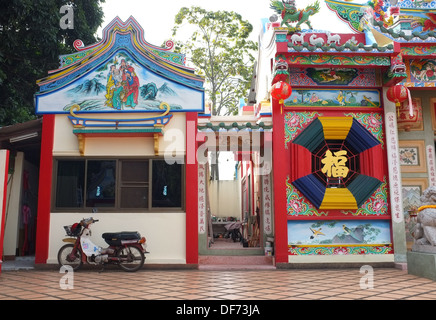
124 235
117 238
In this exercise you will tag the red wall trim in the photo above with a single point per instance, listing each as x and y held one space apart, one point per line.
3 212
191 189
44 192
280 169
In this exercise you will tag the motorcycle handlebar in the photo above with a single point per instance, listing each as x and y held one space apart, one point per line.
88 221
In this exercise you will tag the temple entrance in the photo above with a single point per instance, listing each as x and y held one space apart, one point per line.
235 198
233 205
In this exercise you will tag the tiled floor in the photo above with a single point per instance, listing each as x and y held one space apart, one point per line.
309 284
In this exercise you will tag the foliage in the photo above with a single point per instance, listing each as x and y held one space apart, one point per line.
221 51
31 41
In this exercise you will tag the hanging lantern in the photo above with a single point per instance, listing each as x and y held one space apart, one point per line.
398 94
281 91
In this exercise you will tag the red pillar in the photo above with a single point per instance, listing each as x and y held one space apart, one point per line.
5 169
280 170
191 188
44 191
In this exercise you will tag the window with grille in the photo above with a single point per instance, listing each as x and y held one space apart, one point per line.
117 184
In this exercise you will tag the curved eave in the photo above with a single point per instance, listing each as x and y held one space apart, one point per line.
345 5
130 26
357 7
143 57
417 38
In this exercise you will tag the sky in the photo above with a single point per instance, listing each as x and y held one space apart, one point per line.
157 18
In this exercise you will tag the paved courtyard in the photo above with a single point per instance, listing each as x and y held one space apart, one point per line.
308 284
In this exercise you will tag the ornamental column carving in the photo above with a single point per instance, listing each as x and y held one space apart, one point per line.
395 188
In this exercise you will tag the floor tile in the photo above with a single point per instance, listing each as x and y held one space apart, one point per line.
217 285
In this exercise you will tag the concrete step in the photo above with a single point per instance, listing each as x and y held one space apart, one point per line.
20 263
236 263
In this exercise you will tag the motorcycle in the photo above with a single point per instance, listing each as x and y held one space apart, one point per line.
126 249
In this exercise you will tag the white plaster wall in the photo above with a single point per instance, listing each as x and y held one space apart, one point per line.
225 198
165 232
66 143
266 53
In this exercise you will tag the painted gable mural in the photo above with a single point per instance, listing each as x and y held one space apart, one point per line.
125 76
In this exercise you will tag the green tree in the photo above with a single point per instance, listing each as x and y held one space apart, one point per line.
31 40
221 51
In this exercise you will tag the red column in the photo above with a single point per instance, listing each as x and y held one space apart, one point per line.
191 188
3 207
280 170
44 191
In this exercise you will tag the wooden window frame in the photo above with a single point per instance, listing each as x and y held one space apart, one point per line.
118 185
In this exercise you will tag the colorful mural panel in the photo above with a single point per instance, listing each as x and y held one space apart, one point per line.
339 232
337 60
334 98
423 70
121 84
332 76
340 250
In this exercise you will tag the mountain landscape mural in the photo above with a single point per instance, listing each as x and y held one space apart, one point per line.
121 84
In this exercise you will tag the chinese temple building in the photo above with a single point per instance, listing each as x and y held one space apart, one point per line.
327 160
353 145
109 112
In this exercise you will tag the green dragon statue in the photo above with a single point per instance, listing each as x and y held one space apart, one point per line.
290 13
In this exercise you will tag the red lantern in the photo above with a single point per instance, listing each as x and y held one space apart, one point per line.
281 91
398 94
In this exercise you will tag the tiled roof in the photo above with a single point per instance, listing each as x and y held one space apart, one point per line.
234 127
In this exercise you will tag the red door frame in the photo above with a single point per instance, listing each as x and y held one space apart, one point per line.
44 192
280 163
191 187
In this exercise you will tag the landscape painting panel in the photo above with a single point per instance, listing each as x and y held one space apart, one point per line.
118 85
338 232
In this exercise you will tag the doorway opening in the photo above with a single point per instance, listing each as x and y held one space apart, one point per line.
19 238
233 190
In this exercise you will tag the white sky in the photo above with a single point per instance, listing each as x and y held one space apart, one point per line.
157 17
157 20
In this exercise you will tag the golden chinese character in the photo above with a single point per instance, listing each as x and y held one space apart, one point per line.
334 164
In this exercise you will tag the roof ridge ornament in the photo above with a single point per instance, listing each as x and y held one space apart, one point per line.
290 14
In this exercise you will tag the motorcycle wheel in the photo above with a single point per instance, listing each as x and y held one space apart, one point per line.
64 253
131 258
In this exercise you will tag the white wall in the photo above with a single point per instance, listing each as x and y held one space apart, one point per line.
165 232
225 198
66 143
